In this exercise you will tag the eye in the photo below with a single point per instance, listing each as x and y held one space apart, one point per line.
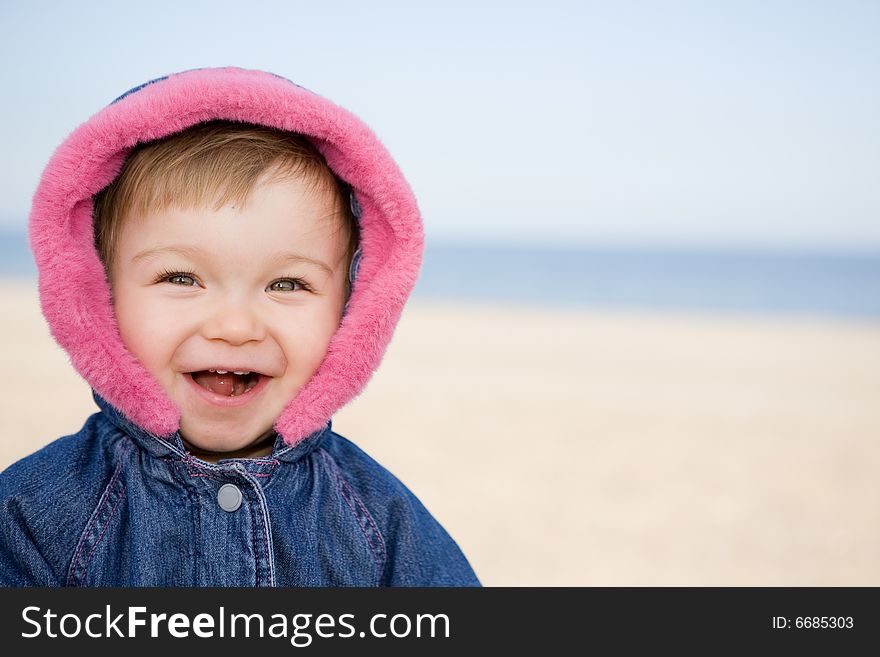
188 279
178 278
289 285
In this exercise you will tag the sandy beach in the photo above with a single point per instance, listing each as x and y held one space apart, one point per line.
573 447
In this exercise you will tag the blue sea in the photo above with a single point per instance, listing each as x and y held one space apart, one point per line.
829 284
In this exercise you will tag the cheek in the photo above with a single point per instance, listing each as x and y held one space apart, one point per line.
305 340
146 330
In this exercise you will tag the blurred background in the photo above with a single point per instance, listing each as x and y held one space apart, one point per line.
645 345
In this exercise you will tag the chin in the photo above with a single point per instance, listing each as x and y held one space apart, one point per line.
225 439
209 444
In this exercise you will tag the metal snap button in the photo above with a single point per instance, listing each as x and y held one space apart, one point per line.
229 497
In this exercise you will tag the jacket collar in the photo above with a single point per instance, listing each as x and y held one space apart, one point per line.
171 445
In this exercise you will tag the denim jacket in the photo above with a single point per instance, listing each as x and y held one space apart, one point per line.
122 502
113 505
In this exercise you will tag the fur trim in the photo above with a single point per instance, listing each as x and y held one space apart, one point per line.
75 296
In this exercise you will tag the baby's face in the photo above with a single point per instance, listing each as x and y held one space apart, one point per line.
241 299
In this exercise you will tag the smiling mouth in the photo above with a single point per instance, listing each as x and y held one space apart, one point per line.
228 384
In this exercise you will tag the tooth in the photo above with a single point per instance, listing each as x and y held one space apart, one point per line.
212 370
222 372
241 373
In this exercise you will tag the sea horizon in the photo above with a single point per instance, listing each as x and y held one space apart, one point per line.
829 283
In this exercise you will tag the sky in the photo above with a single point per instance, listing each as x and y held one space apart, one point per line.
722 124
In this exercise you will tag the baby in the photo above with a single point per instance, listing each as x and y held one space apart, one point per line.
199 248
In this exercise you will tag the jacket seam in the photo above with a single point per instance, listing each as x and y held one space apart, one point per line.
189 464
192 495
267 533
72 577
351 499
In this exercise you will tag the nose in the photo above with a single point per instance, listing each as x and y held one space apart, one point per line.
235 321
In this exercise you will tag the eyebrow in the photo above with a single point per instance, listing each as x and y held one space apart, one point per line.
195 252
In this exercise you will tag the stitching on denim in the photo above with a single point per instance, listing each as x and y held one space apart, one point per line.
264 511
272 476
197 468
170 446
106 525
83 539
121 452
221 473
254 526
173 466
380 557
197 532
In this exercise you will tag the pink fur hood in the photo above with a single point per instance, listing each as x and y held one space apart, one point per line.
75 296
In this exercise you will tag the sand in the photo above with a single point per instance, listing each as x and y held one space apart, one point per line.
574 447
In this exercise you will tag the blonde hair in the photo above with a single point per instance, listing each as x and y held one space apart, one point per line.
212 164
